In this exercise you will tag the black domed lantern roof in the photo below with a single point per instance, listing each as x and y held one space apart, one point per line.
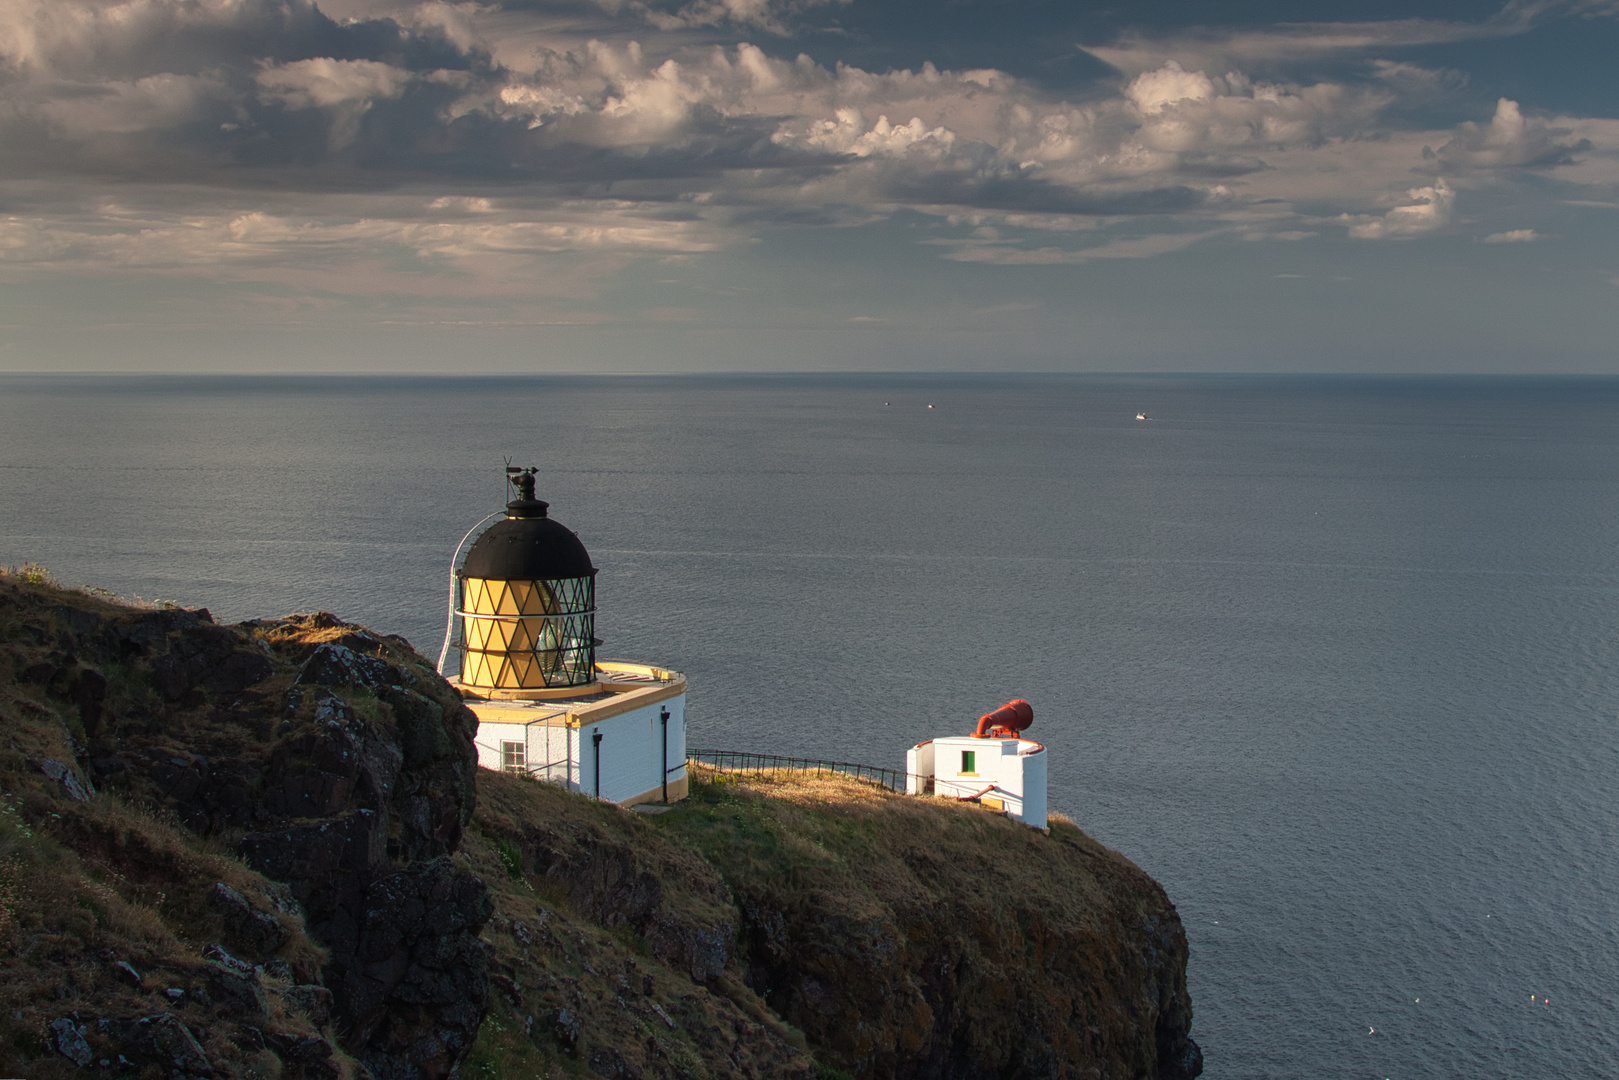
528 544
526 600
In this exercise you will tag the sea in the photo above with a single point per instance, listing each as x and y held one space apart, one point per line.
1332 658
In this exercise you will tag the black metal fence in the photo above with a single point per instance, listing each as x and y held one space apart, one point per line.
763 765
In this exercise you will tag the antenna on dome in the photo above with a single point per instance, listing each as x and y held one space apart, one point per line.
526 504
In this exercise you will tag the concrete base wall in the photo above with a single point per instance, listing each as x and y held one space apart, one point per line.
677 791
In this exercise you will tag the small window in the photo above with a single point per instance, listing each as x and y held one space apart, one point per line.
969 763
512 758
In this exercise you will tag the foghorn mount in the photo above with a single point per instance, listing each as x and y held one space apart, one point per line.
525 505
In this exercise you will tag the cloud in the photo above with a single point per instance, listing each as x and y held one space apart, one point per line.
1429 208
1515 236
1153 91
506 138
475 239
1508 140
1190 113
847 133
125 107
1418 85
322 82
183 87
1214 49
773 16
976 250
346 88
413 92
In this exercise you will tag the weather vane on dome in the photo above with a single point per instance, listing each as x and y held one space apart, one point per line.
522 479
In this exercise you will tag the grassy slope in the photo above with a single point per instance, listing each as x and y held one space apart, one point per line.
570 950
864 889
890 928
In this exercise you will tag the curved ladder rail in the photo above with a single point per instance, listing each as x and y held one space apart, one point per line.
455 587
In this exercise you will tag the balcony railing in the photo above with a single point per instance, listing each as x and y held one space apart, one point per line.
765 765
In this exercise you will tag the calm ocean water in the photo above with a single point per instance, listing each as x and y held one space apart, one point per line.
1334 659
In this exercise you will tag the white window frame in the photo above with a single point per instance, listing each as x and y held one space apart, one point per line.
513 757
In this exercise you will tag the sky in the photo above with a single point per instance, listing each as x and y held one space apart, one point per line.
763 185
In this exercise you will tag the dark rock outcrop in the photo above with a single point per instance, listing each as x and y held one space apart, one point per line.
677 904
259 931
414 978
338 764
161 1040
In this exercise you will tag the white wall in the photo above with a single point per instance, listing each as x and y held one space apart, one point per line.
918 767
543 744
1013 769
631 750
1034 787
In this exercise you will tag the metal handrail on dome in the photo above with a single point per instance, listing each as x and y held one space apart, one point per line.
455 587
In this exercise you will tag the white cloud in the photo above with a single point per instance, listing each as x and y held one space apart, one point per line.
92 40
323 82
1429 208
129 106
1515 236
1153 91
345 89
1188 112
985 250
848 133
446 232
456 22
1214 49
770 15
686 146
1415 83
1508 140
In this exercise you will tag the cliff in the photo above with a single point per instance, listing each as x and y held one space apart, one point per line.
265 851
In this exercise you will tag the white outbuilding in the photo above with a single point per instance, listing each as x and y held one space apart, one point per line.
523 620
994 766
623 742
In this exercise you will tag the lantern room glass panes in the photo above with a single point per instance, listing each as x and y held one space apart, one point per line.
528 635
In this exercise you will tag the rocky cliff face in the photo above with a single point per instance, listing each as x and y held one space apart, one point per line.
333 762
891 937
255 851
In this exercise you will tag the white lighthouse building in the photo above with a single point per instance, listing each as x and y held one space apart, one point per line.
994 766
523 623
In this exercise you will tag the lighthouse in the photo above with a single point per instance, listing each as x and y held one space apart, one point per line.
521 638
